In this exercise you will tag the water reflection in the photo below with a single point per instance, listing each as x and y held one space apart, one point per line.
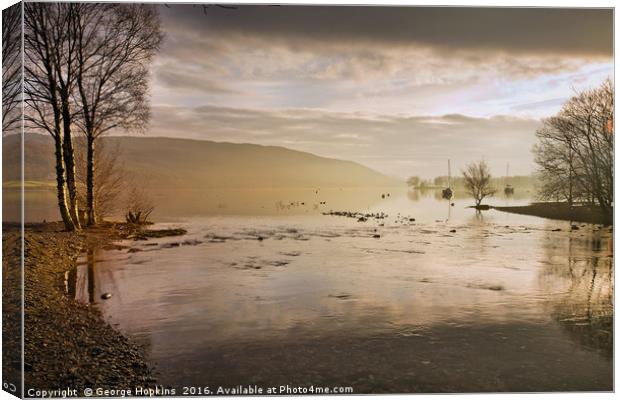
221 305
415 194
72 283
40 205
583 305
478 216
81 281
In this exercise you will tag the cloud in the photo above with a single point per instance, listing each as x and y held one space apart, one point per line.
179 78
387 143
382 60
400 89
258 58
523 30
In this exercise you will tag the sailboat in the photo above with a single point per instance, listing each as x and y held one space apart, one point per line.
508 190
447 192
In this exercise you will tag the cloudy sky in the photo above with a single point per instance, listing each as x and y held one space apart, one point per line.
397 89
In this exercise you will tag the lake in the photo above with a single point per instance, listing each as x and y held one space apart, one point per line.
267 290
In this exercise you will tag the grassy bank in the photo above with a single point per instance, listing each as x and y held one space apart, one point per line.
29 185
67 343
562 211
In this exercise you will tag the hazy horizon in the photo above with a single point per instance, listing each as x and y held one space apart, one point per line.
398 89
219 202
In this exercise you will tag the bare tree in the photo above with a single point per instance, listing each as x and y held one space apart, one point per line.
413 181
576 147
86 67
11 67
109 173
64 59
43 49
555 155
477 179
139 205
116 43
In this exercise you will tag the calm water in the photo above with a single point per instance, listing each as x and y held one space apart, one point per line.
266 290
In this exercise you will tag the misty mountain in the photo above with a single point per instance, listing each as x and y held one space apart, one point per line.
185 164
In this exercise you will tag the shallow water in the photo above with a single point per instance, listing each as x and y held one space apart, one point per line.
433 298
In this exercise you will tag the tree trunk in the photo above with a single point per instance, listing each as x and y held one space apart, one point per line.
570 174
72 283
90 269
60 187
90 180
69 160
598 191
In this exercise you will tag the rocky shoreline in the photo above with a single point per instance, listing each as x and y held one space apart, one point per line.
67 344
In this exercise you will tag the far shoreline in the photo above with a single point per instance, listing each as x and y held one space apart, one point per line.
562 211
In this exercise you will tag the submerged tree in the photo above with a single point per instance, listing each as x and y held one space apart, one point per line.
575 149
138 206
477 180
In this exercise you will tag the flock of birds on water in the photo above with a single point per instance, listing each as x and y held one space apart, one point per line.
287 206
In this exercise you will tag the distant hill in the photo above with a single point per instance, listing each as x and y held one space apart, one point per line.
187 164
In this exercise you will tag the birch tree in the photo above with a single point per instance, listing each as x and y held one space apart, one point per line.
116 44
86 70
43 46
11 67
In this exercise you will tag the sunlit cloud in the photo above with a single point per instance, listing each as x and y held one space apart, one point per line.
375 75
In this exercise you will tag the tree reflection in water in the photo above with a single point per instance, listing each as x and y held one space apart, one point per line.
80 283
582 299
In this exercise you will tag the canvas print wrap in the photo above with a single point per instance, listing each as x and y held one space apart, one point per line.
207 199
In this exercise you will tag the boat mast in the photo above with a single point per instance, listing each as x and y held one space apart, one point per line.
507 166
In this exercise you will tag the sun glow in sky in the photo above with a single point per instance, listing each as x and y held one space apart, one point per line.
400 90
